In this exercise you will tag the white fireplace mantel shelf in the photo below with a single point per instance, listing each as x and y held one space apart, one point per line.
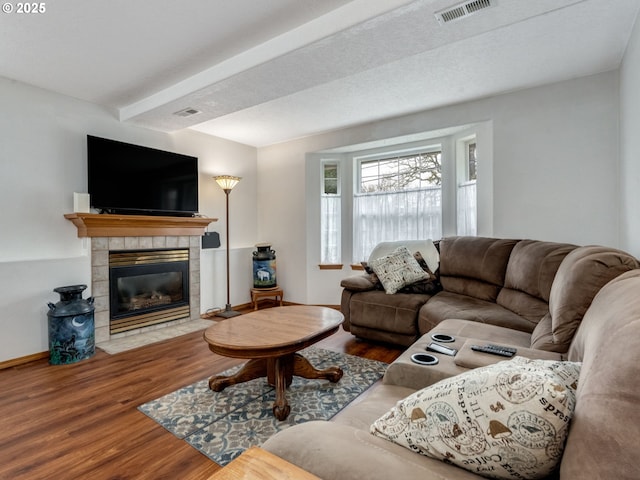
107 225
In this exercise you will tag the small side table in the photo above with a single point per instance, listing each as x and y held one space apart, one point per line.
259 464
258 293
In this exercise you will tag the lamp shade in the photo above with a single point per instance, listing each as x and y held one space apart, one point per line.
227 182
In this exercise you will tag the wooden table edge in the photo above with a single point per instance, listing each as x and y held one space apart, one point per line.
272 351
258 464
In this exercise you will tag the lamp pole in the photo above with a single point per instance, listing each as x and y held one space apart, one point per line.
227 182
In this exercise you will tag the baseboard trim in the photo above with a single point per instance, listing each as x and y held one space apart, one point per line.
246 307
15 362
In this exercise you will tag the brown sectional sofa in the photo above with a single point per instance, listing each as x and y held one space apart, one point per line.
503 282
555 300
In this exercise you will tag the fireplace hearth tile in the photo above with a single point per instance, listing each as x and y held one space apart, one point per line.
130 342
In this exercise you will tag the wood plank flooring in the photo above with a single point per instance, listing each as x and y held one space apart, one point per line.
80 421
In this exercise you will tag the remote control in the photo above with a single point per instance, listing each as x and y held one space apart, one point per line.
435 347
494 350
503 347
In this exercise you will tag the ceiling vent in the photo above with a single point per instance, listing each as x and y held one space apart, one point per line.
187 112
462 10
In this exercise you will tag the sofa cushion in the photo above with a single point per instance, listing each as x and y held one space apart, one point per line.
334 451
467 357
398 269
530 272
533 265
474 266
507 420
446 305
489 333
580 276
392 313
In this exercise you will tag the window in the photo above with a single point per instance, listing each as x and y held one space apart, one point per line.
397 197
467 194
401 173
471 160
331 219
418 186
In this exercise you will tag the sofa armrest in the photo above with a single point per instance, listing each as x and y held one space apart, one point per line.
358 283
468 358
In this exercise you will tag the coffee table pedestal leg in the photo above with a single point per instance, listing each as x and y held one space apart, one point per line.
303 368
279 372
255 368
282 373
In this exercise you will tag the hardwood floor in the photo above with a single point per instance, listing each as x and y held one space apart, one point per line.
81 421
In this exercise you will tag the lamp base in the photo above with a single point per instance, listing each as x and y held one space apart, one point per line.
228 312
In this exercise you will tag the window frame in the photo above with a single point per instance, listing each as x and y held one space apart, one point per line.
388 153
323 163
325 265
463 182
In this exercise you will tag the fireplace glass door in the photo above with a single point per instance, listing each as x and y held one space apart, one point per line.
145 284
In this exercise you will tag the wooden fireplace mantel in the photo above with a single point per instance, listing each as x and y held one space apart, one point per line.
107 225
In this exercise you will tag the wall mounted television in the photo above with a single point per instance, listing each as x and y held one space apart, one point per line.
131 179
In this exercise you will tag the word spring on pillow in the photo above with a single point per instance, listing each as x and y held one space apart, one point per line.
508 420
397 270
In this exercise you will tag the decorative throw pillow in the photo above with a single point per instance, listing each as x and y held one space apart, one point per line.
397 270
426 247
508 420
431 285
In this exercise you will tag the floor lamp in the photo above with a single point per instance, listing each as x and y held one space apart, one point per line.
227 182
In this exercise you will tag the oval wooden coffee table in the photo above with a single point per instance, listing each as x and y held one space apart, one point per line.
270 338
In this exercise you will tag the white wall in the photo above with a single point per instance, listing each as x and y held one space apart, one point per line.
630 145
221 157
554 174
43 161
555 177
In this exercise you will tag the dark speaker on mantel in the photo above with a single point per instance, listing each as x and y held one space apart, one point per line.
211 240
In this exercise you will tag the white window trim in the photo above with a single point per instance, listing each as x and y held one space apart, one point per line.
344 155
339 162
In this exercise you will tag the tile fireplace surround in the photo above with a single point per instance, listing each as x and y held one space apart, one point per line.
137 232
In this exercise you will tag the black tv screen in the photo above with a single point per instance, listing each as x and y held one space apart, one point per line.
132 179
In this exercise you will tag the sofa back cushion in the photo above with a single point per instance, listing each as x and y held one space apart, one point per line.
603 436
530 272
474 266
581 275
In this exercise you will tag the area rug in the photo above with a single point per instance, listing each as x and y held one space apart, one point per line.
222 425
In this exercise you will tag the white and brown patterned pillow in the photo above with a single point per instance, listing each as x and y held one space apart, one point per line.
397 270
508 420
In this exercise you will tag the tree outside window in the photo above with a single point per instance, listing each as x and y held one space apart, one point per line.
401 173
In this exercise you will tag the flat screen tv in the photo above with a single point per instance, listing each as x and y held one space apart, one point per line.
136 180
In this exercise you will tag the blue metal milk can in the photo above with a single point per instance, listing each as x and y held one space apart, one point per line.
71 326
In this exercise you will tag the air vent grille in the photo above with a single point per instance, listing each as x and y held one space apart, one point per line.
462 10
187 112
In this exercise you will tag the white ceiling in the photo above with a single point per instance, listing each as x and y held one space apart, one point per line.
267 71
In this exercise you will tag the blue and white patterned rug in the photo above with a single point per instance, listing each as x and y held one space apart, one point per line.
222 425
